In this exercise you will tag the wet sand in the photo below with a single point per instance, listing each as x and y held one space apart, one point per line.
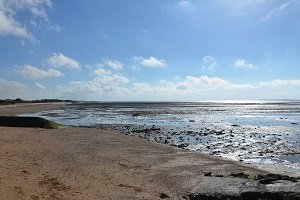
88 163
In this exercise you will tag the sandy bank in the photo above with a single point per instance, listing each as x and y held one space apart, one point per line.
15 109
79 163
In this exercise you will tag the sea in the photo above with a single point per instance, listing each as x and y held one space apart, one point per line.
263 133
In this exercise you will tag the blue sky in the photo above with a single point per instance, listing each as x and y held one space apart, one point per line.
178 50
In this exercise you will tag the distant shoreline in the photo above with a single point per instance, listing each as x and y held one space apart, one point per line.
19 100
21 108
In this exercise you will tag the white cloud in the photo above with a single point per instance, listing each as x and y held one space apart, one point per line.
205 82
188 88
53 27
85 87
31 72
209 62
106 77
241 5
40 86
106 85
241 63
36 7
150 62
185 4
277 10
113 79
114 64
59 60
280 82
11 89
102 72
134 67
188 84
9 25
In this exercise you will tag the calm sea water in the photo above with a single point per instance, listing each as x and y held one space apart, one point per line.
263 133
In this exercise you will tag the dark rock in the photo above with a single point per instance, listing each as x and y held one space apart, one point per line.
219 175
288 178
207 174
229 188
136 114
164 196
234 125
183 145
270 178
239 175
269 195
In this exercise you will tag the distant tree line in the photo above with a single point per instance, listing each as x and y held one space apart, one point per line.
19 100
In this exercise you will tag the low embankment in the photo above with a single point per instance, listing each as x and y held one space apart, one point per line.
32 122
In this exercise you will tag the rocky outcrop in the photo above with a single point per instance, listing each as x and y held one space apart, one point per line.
236 188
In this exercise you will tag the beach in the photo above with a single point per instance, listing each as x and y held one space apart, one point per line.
90 163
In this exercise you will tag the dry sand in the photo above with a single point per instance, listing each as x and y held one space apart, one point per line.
87 163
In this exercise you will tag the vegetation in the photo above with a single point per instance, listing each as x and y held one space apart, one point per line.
19 100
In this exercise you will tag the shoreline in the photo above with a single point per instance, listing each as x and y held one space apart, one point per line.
89 163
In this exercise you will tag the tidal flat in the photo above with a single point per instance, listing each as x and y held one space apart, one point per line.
263 133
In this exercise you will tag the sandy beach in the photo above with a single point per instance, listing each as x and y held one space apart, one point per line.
88 163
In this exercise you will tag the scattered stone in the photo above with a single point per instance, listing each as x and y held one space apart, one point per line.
155 129
183 145
207 174
234 125
270 178
219 175
239 175
164 196
136 114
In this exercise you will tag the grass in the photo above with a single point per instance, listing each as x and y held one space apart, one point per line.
30 122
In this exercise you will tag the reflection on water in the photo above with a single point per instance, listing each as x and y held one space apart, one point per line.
255 132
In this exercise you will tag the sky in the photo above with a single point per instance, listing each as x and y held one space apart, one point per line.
158 50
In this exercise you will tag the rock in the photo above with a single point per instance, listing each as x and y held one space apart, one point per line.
164 196
270 178
234 125
239 175
183 145
226 188
219 175
207 174
154 128
136 114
